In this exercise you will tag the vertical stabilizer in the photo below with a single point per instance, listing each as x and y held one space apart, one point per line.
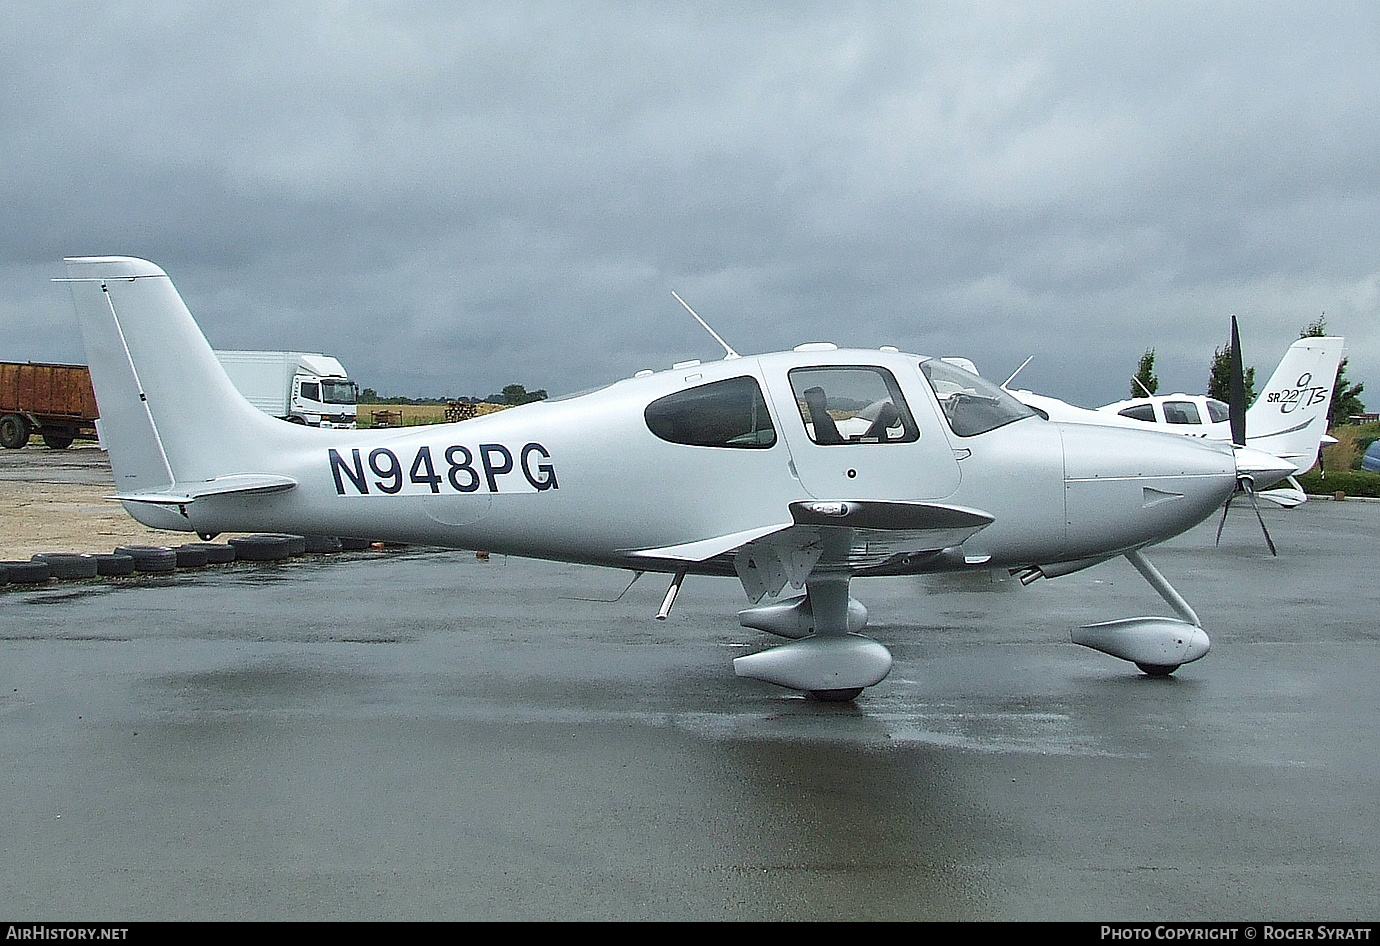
1289 417
168 411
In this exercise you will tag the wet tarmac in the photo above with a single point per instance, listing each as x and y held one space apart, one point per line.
423 735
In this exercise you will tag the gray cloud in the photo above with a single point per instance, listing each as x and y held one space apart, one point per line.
455 196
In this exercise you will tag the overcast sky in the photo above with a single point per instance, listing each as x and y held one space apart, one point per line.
453 196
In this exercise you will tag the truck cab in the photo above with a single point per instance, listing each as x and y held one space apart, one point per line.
324 402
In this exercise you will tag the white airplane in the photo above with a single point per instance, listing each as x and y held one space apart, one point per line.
805 468
1288 419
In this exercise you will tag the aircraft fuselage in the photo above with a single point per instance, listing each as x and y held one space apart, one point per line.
588 479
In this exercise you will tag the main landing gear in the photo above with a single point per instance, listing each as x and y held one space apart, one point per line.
827 658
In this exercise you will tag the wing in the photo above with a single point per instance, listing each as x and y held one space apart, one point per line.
829 538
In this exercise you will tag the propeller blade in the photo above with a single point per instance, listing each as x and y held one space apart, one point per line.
1245 485
1236 390
1250 491
1226 508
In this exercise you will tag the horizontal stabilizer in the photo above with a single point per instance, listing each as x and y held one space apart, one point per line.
180 494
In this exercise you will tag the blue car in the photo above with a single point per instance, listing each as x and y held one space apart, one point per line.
1370 460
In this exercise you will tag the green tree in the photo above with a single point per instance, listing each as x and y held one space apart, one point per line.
1346 397
1219 377
515 394
1145 382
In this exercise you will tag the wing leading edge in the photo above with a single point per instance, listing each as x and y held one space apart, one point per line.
829 538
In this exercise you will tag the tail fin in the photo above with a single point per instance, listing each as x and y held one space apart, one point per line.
1289 418
170 416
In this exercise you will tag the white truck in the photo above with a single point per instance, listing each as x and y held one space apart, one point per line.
301 387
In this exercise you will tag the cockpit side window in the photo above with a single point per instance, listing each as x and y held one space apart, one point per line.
730 413
1217 411
1181 412
852 405
972 405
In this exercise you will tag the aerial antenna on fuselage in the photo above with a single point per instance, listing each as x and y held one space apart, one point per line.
1016 372
1137 382
727 348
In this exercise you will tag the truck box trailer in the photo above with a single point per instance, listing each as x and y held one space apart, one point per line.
54 401
302 387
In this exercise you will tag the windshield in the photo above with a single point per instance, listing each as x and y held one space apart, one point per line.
338 392
972 405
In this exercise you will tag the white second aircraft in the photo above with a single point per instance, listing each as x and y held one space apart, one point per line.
805 468
1288 419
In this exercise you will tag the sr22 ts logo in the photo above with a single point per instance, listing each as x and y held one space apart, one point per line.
1303 394
490 467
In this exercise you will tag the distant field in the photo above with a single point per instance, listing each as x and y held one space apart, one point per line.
415 415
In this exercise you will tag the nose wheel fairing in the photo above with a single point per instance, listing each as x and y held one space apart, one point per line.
1157 645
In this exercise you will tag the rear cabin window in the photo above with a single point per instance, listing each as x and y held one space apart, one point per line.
1140 412
729 413
852 405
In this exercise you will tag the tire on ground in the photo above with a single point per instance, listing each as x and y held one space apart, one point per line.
26 573
191 557
154 559
114 564
261 548
297 544
351 544
319 544
69 565
217 553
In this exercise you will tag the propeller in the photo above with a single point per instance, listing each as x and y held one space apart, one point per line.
1236 389
1236 406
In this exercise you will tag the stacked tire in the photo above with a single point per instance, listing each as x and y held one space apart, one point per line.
24 573
114 564
69 565
150 559
189 557
262 548
322 544
128 560
217 553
